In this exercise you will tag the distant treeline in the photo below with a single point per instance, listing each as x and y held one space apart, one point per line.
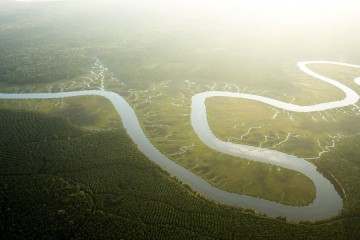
41 64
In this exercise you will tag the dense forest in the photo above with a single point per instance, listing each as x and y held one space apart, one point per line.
62 182
31 64
344 164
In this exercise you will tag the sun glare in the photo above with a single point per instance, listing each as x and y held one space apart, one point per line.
291 4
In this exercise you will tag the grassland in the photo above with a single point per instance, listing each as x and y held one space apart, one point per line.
306 135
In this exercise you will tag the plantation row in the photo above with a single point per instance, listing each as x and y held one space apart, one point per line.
75 184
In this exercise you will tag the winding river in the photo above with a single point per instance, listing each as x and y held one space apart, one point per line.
327 202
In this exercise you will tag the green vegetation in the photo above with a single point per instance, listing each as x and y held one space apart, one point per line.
57 47
343 164
307 135
58 181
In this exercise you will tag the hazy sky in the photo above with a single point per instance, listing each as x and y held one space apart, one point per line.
264 6
313 23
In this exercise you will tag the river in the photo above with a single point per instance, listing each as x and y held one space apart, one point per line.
327 202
